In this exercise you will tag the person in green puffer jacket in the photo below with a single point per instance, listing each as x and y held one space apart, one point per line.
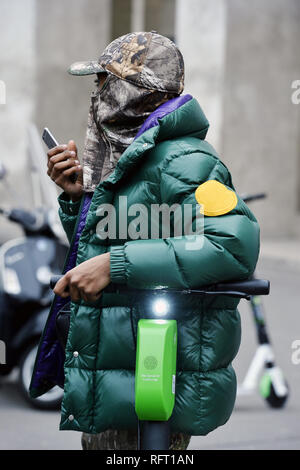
145 151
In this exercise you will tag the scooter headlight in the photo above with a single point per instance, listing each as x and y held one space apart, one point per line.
160 307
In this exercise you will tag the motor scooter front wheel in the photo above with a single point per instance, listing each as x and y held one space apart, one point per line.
50 400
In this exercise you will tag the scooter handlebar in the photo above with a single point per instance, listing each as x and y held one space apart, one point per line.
249 287
54 280
253 197
237 289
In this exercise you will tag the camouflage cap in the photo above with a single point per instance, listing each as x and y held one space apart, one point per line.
145 59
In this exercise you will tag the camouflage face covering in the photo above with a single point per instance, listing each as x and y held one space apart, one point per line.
117 112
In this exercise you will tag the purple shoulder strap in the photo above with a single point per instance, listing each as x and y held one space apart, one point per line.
49 367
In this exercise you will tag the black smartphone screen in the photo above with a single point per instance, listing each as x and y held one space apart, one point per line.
48 138
51 142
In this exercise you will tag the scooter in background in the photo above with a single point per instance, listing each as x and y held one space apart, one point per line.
263 374
26 266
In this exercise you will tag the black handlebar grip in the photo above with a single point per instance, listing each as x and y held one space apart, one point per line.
253 197
242 289
54 280
251 287
23 217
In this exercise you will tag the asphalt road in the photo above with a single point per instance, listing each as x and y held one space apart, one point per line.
253 424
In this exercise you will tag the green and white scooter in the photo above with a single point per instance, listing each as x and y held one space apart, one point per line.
263 374
156 351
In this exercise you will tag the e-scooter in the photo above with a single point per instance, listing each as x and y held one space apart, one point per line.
156 351
263 373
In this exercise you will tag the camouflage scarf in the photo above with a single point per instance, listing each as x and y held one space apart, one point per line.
117 112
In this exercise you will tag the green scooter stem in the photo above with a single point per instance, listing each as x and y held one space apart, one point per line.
155 435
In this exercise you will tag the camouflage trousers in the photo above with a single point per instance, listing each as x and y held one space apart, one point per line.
126 440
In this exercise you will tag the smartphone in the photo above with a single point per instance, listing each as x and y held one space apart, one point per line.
48 138
51 142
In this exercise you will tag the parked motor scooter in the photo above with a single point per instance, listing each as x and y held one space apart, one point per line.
26 266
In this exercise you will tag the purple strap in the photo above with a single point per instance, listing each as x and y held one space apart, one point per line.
162 111
50 360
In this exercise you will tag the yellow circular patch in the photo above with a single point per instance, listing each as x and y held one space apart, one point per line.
215 198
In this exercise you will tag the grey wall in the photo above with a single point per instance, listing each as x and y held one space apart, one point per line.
67 32
241 58
160 16
200 32
39 40
17 70
260 133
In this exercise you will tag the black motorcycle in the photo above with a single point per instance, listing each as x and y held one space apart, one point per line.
26 266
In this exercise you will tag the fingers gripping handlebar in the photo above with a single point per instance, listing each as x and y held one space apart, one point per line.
54 280
241 289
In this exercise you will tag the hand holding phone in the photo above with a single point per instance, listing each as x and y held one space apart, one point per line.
63 167
51 142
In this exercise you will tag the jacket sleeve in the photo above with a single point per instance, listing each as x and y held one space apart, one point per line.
227 249
68 212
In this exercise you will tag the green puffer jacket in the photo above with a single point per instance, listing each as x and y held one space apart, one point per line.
166 163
